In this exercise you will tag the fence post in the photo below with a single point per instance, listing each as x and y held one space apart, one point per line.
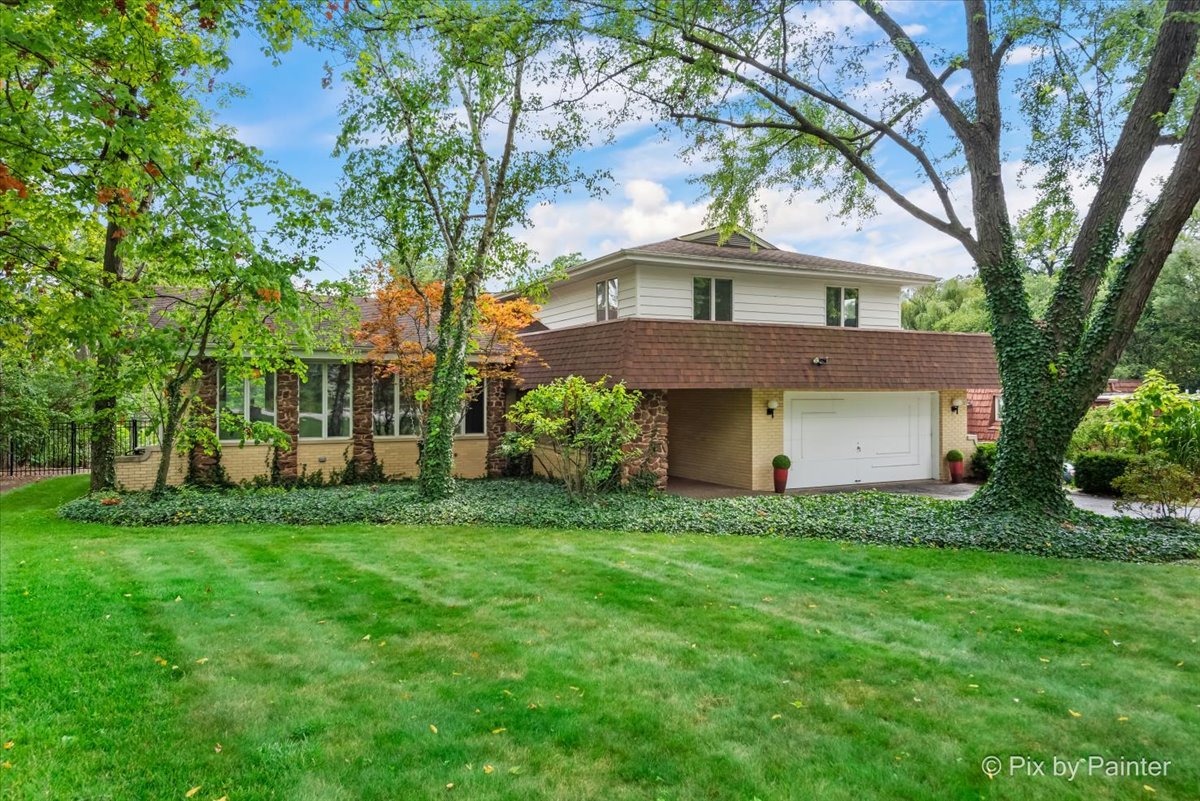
12 457
74 446
133 435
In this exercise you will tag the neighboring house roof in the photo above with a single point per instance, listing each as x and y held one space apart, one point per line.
745 251
687 354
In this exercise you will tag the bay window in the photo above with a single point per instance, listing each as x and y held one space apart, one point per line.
249 399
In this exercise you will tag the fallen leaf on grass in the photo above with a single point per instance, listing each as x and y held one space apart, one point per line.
776 716
488 769
500 730
1122 719
1148 788
202 660
217 748
433 728
798 704
9 745
192 792
1075 714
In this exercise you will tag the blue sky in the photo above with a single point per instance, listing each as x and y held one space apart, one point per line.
288 114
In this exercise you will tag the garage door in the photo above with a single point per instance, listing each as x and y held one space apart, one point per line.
859 437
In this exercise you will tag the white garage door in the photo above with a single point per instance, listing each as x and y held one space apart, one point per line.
859 437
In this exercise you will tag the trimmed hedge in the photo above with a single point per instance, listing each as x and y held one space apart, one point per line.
1095 471
864 517
982 460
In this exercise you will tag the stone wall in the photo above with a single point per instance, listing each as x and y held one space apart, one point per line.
652 418
287 418
204 412
496 424
363 423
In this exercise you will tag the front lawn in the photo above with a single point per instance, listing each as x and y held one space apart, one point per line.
260 661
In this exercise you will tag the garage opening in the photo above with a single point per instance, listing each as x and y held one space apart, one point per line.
860 437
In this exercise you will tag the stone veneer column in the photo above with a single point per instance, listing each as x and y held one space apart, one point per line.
363 422
651 417
287 418
496 404
201 465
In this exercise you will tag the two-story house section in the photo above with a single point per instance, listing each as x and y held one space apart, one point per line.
743 351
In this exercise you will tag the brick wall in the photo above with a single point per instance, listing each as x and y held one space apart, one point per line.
767 437
953 430
711 435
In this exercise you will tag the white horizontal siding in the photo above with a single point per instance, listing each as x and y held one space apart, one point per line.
574 302
666 293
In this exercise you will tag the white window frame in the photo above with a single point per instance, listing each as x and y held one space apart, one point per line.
997 407
324 370
245 414
712 298
608 290
460 431
841 323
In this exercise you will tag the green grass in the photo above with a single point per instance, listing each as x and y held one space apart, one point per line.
575 664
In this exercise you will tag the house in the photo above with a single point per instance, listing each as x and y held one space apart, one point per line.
741 351
985 407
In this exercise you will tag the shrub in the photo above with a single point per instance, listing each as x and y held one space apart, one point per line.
1095 433
863 517
982 460
781 462
1156 488
586 428
1160 417
954 455
1095 471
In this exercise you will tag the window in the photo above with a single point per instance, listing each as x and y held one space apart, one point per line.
394 416
841 306
712 298
606 299
251 399
325 399
997 408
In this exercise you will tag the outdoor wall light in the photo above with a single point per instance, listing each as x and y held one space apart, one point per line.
819 360
957 404
772 405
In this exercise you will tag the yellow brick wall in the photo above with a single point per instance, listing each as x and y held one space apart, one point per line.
710 435
953 429
767 437
398 457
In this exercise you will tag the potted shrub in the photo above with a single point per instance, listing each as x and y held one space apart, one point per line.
954 459
781 463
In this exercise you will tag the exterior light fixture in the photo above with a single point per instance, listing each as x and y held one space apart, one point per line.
956 404
820 360
772 405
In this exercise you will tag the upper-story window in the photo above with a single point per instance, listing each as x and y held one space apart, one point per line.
606 299
841 306
394 414
250 399
325 398
712 298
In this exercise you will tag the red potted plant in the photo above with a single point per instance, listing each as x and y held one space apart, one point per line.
781 463
954 460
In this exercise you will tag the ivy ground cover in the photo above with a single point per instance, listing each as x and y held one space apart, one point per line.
260 661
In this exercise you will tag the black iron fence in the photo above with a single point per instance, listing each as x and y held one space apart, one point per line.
67 447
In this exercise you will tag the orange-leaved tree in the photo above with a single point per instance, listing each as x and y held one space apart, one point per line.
402 333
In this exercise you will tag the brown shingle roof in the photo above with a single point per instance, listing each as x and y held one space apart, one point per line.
768 257
684 354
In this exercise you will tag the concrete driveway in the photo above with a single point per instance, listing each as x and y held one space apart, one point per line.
930 489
